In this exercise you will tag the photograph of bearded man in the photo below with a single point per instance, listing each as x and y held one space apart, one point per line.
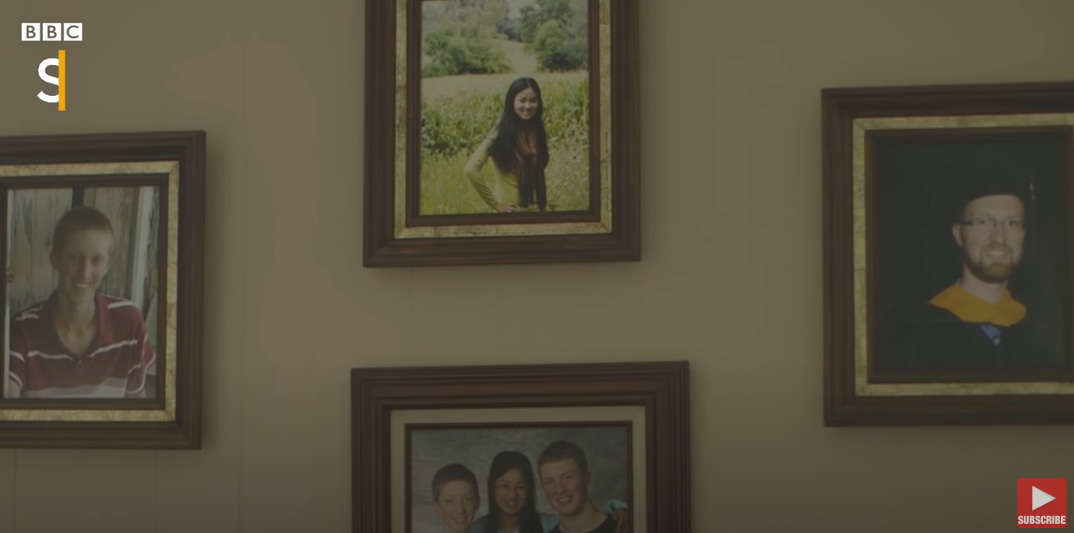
975 322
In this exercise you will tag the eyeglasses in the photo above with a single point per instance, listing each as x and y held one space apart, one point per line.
987 223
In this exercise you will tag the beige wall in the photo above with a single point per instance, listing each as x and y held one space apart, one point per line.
731 278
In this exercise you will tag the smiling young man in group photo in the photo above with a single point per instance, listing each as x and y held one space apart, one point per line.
565 476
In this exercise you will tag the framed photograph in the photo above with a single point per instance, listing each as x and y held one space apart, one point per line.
102 236
501 131
949 231
599 448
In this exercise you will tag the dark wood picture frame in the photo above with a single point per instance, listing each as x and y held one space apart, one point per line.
861 126
170 168
659 389
397 234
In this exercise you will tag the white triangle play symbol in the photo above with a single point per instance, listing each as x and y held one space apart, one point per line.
1040 498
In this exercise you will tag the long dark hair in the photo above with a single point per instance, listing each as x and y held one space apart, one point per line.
531 182
528 520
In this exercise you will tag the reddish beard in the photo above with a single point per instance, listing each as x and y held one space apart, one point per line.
991 271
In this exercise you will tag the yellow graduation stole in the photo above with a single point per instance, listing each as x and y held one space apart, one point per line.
1005 313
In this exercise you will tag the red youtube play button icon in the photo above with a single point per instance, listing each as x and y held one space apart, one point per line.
1042 502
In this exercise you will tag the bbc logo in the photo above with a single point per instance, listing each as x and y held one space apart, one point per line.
51 31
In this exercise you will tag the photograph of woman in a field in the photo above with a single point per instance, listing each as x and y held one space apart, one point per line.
493 138
518 146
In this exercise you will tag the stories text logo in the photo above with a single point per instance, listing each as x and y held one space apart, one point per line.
53 31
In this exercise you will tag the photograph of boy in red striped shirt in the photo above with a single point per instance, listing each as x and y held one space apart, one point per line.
79 343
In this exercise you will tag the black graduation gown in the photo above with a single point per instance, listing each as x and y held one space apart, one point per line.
939 340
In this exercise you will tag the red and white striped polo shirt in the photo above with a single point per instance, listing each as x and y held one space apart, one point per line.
114 366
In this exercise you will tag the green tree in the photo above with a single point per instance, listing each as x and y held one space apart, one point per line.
508 25
557 33
463 38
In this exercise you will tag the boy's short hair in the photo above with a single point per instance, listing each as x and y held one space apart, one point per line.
560 450
449 473
78 218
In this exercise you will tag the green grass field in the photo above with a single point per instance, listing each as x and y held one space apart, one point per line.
446 191
457 113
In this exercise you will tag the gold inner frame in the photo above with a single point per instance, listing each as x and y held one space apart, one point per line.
604 225
171 168
864 388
